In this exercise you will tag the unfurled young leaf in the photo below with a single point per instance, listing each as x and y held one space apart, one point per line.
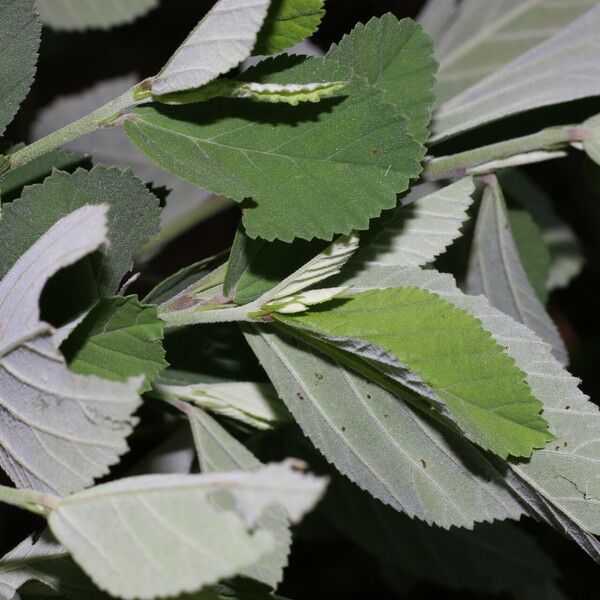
496 271
398 454
62 429
441 353
253 403
561 69
426 223
183 540
132 220
221 41
288 22
591 142
219 451
396 57
117 339
77 15
19 41
314 170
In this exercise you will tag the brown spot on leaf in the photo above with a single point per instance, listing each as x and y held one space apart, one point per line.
319 376
369 396
375 152
300 396
424 464
567 407
343 428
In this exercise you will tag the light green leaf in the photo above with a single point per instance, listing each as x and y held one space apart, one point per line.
442 353
559 483
483 37
253 403
565 250
561 69
495 270
182 539
132 220
19 40
221 41
117 339
398 454
591 143
288 22
493 558
428 221
311 171
78 15
111 147
396 57
218 451
61 429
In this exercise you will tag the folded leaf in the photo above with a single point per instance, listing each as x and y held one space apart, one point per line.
221 41
219 451
77 15
182 539
19 40
314 170
399 455
396 57
117 339
428 221
442 353
61 429
483 37
561 69
591 143
287 23
495 270
132 220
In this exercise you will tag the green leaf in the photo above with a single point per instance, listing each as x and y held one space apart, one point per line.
457 364
288 22
19 40
563 68
253 403
35 171
591 142
132 220
61 429
256 266
398 454
493 558
218 451
495 270
311 171
481 39
78 15
117 339
221 41
396 57
182 539
426 223
559 483
565 250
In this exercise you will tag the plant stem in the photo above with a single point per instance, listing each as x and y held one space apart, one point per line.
105 116
227 314
475 161
36 502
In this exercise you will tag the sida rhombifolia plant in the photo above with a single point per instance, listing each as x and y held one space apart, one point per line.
441 405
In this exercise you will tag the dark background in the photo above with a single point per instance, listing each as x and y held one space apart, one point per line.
331 567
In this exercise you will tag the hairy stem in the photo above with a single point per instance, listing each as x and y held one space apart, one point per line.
105 116
36 502
475 161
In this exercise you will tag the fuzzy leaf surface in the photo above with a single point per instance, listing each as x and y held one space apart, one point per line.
457 364
184 541
495 270
78 15
396 57
62 429
288 22
311 171
19 39
117 339
221 41
398 454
